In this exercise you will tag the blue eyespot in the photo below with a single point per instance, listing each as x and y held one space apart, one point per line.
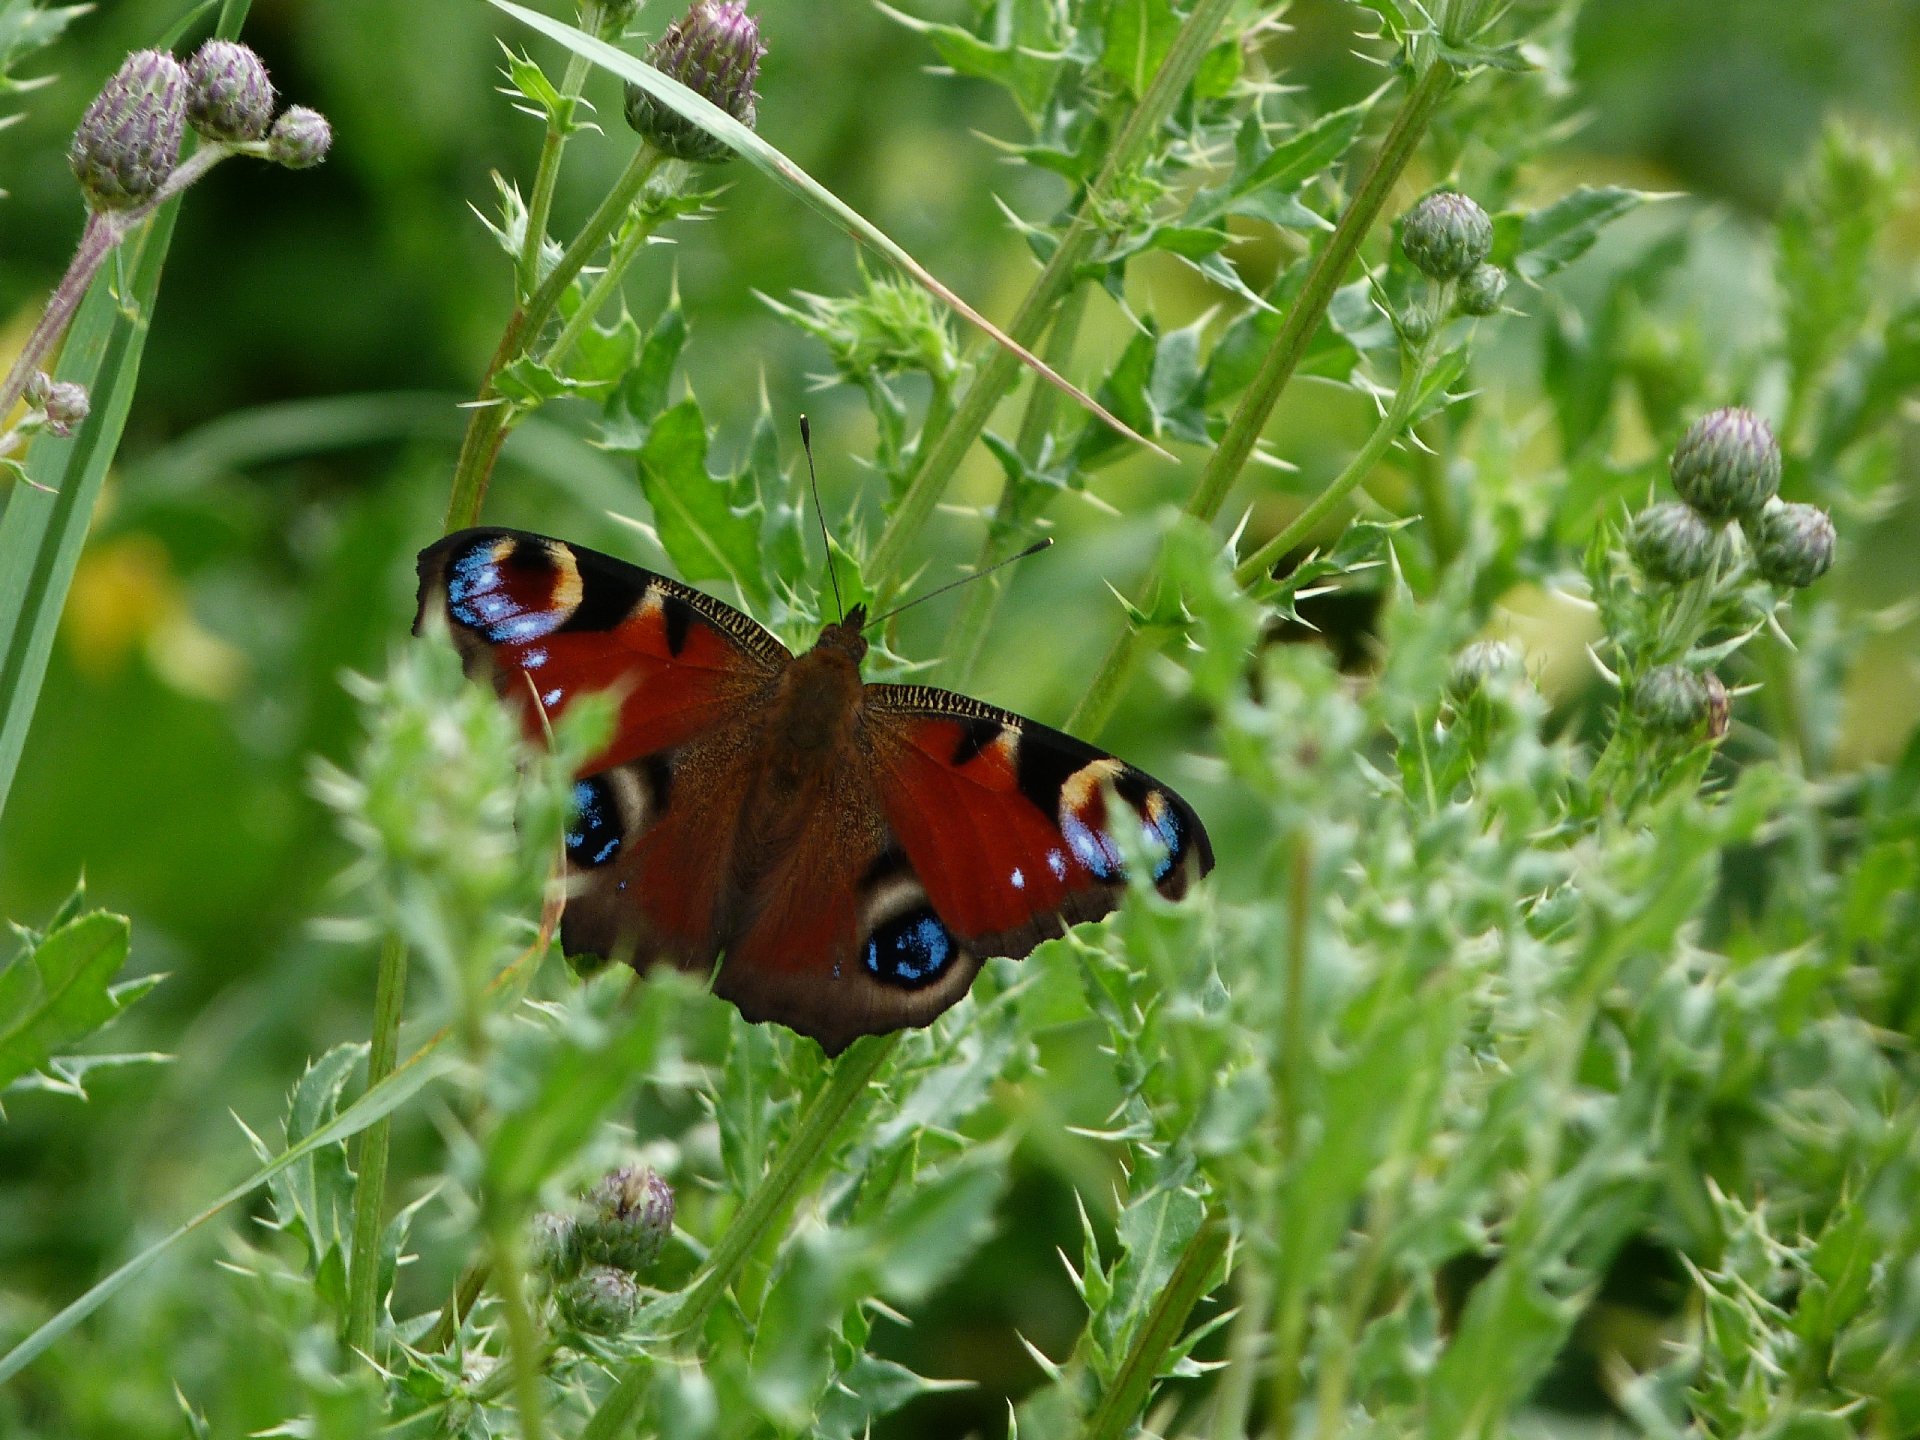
480 598
911 950
1171 832
593 832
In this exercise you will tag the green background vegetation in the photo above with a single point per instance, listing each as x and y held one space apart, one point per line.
246 554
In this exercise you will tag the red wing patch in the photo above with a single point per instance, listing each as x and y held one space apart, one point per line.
1005 821
549 622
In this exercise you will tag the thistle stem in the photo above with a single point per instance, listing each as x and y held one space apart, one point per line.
1123 1402
792 1170
546 174
369 1192
1276 370
999 369
493 415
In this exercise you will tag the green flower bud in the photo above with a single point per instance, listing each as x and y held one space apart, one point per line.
1483 290
229 97
1793 544
615 15
1673 542
128 141
1727 464
555 1245
1672 699
300 138
1446 236
1415 325
714 50
628 1218
600 1300
1479 664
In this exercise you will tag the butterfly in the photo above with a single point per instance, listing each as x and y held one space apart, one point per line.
848 854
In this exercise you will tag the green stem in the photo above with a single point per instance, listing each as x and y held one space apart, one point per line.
1323 280
1257 566
370 1191
603 290
526 1350
968 637
1121 1406
999 369
546 174
1276 370
493 416
795 1167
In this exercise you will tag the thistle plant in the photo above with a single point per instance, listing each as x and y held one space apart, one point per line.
1536 1057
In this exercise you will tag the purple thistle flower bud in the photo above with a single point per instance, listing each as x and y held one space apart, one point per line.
128 141
1793 544
1673 542
1483 290
1672 699
1727 464
300 138
229 97
1446 236
600 1300
629 1216
714 50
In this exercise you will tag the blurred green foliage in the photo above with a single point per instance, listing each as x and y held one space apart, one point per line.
1576 1103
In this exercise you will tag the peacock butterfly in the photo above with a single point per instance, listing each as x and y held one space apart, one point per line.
849 853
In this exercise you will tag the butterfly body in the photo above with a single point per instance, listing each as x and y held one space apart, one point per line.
847 853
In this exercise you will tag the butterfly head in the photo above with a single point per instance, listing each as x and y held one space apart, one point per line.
846 637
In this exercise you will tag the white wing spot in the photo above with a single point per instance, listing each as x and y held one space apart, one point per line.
1019 880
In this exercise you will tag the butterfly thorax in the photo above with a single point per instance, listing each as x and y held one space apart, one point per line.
816 707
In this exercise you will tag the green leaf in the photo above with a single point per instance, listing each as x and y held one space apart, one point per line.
59 991
1139 34
642 394
1022 64
1545 241
709 524
313 1197
426 1066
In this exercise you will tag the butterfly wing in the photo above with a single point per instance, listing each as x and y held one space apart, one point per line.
548 622
652 832
1005 823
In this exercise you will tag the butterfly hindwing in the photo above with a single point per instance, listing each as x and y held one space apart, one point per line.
1006 822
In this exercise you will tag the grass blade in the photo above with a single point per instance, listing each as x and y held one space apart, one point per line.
772 162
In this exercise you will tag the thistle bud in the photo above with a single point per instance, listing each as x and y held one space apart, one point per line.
614 15
1793 544
1478 664
1446 236
600 1300
1483 290
128 141
1672 699
1674 543
555 1245
229 97
300 138
628 1217
714 50
1727 464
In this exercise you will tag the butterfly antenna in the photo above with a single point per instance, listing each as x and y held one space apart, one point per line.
1033 549
806 444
